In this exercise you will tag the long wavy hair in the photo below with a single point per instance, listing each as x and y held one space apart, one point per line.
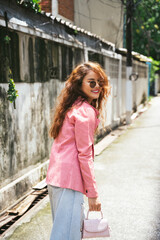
72 91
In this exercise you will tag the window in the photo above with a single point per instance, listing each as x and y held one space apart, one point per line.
113 68
67 61
41 60
31 60
64 62
78 56
9 56
96 57
53 56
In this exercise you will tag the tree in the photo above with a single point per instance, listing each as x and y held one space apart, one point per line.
146 28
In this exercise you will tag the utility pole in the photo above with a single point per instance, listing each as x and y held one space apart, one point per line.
129 12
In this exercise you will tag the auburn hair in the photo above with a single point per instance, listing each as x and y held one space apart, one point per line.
72 91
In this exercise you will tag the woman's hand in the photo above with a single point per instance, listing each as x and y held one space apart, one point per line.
94 204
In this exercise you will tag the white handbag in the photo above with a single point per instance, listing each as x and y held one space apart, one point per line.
93 228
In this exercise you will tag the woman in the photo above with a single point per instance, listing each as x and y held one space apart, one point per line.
71 170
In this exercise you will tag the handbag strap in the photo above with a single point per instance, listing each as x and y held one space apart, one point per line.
89 211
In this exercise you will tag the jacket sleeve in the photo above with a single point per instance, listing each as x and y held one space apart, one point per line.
84 135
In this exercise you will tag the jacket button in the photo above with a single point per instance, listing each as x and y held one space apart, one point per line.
86 191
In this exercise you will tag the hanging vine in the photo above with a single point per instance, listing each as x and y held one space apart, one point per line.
12 93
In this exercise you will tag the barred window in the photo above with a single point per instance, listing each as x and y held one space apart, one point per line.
69 55
53 56
41 63
31 60
9 56
96 57
113 67
78 56
66 61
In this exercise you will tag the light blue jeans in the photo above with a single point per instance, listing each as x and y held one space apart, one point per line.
67 213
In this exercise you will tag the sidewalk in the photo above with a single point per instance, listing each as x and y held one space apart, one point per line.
128 179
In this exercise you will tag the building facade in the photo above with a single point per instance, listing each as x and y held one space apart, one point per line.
104 18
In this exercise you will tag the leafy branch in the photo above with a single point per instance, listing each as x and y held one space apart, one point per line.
154 68
33 4
12 92
7 39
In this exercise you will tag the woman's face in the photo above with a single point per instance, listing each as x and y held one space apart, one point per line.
91 93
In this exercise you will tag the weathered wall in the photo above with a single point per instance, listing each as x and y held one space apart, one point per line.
39 70
24 130
115 67
157 84
140 87
104 18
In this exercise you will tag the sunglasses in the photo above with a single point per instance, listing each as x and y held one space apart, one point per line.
93 83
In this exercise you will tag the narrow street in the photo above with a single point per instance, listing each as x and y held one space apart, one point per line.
128 174
128 178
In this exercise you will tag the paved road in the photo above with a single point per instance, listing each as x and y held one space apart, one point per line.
128 177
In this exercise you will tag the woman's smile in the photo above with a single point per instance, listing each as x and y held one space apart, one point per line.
95 91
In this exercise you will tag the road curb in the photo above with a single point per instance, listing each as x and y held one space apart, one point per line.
14 191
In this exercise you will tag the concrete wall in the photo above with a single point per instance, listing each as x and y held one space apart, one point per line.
39 74
157 84
115 67
24 130
104 18
140 87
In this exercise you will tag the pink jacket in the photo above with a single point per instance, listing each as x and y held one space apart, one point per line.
71 160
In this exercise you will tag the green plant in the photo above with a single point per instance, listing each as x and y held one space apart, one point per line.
7 39
33 4
146 28
12 92
155 66
150 98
